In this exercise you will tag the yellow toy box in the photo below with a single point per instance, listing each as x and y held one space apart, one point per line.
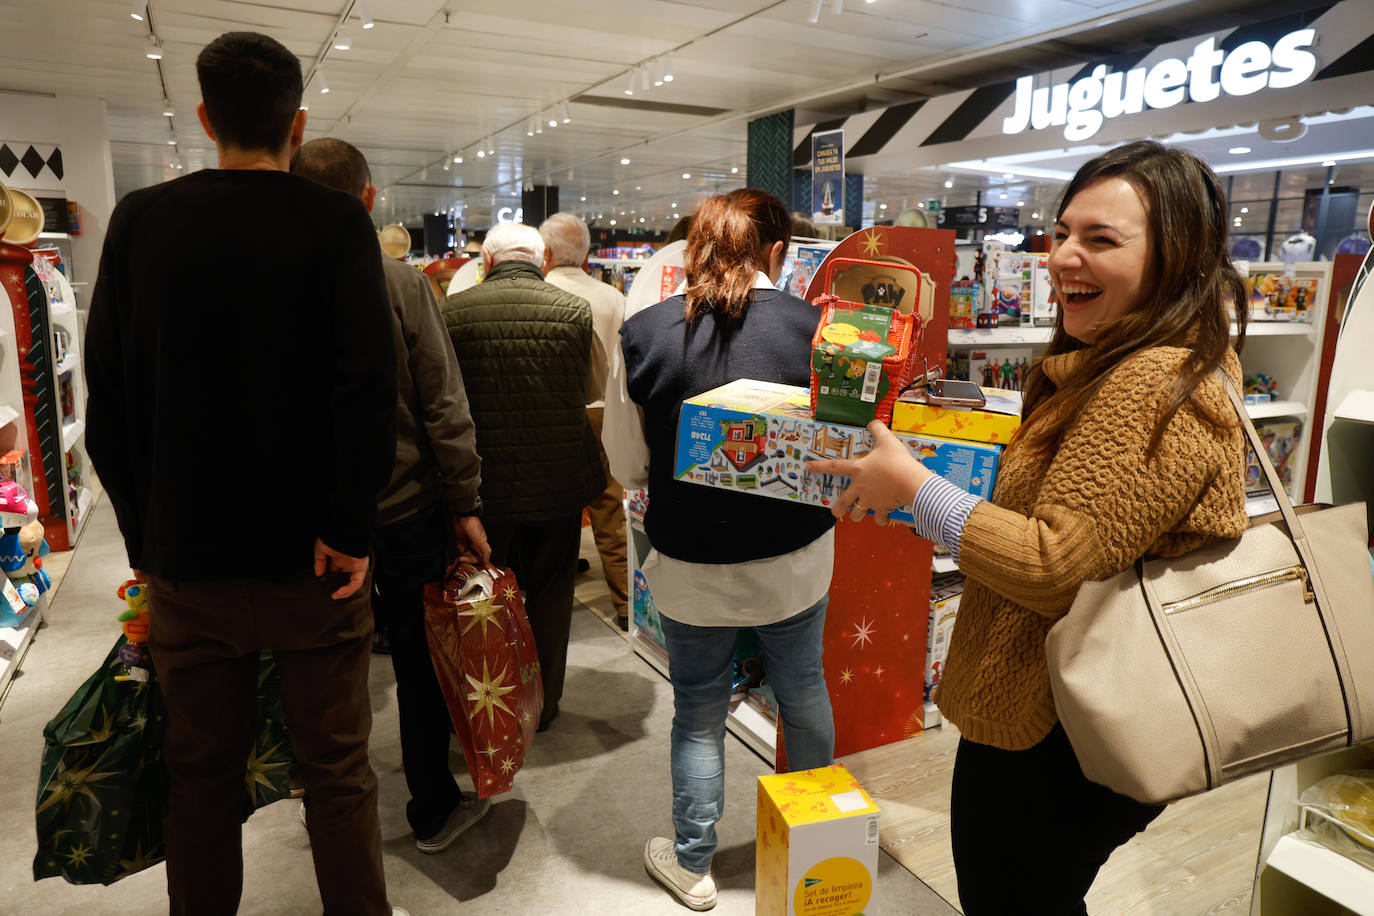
817 849
999 418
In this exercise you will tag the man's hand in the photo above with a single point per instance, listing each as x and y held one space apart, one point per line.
327 558
472 539
882 480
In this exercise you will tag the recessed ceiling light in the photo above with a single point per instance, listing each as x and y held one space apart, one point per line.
624 160
734 170
882 206
480 154
1244 209
1238 150
673 205
615 191
1035 215
1002 196
553 122
638 188
675 216
1020 203
584 198
949 183
612 222
686 175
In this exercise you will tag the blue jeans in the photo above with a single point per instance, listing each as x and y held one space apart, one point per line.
699 663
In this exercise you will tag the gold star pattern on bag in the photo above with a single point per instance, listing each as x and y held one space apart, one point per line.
258 768
482 612
71 783
487 694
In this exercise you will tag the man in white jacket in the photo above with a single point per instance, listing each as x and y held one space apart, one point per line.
567 242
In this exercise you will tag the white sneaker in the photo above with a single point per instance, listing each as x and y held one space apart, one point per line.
469 811
695 891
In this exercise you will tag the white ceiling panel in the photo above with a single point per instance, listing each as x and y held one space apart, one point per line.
433 77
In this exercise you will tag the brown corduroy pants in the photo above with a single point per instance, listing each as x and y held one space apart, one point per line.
205 640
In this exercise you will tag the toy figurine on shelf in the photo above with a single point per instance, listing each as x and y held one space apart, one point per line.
136 628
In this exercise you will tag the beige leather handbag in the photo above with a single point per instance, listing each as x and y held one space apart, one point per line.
1179 675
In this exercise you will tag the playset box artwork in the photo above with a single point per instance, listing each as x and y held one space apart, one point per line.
817 847
756 437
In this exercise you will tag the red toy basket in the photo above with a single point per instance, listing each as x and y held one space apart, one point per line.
904 333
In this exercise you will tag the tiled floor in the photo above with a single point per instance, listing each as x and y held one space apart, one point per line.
568 839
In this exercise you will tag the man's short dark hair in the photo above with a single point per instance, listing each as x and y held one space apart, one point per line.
333 163
251 85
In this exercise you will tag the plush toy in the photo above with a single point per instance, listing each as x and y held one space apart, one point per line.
136 628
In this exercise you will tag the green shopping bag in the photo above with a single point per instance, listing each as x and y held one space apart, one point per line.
102 785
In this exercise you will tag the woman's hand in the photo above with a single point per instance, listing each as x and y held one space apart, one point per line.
882 480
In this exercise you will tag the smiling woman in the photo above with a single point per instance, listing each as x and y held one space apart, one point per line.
1128 447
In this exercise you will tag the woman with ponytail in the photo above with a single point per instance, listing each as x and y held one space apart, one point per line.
1129 447
722 561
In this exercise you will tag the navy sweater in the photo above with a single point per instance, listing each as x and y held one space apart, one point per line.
666 362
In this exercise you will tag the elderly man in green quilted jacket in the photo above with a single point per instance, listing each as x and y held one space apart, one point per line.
525 349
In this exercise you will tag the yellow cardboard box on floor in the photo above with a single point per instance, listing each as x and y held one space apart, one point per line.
817 849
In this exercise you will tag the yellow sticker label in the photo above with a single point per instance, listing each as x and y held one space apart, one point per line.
840 334
839 886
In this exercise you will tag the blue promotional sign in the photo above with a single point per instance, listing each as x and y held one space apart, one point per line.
827 178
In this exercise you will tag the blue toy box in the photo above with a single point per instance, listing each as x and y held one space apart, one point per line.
755 437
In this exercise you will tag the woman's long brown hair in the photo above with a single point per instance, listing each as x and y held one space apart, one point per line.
1188 280
728 244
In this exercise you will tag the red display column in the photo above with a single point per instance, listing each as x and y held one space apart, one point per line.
20 283
875 628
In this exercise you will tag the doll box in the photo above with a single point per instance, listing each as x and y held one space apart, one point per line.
755 437
817 847
999 418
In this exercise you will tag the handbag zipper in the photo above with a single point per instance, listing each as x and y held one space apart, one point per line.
1298 573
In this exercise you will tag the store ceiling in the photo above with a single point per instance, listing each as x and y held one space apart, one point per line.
436 78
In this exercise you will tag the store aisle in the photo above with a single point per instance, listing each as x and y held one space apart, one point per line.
568 839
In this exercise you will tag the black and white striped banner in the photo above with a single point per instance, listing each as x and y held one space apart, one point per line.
969 124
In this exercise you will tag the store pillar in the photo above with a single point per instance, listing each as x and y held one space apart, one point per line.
84 135
770 154
539 203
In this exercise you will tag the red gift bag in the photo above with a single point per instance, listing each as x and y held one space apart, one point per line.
485 659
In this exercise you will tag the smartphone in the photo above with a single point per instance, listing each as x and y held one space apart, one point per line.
954 393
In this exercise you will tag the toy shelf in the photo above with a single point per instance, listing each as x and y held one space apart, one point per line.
1276 409
1312 865
14 644
1294 875
72 431
1275 329
1009 336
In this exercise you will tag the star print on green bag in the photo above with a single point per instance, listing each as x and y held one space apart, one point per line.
102 783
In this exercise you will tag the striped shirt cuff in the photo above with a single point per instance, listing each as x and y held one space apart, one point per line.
940 510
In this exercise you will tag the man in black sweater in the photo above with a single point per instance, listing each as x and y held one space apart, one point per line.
242 419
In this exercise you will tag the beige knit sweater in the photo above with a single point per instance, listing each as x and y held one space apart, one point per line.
1085 513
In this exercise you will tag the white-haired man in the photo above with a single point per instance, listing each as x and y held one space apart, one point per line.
524 347
568 241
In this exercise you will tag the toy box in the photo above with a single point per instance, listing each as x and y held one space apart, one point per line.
817 849
1281 438
755 437
999 418
945 592
963 302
